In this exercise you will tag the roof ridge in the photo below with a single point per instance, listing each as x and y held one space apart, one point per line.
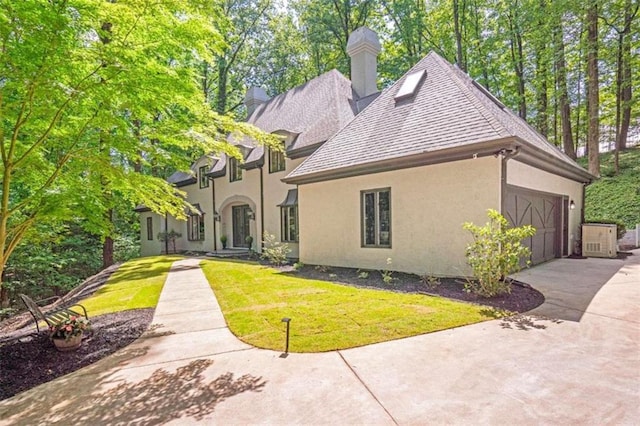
458 77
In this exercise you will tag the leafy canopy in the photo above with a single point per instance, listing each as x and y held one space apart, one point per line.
94 92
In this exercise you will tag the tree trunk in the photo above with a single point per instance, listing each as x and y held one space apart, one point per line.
458 35
517 59
626 94
593 98
221 93
563 94
542 100
107 252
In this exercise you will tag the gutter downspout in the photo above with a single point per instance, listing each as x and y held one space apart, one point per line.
166 230
506 155
261 207
578 242
213 202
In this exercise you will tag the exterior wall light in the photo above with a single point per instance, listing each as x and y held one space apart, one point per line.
572 205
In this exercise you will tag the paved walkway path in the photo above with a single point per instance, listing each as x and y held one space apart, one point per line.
574 360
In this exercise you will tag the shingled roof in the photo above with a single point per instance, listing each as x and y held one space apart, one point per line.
313 112
450 117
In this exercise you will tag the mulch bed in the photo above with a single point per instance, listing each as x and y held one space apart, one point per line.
33 360
522 298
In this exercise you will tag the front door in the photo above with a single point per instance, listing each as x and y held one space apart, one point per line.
240 225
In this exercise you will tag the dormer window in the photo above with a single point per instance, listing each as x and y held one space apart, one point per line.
202 176
276 160
235 172
410 85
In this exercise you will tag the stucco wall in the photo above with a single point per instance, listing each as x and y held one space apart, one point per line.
428 207
153 246
525 176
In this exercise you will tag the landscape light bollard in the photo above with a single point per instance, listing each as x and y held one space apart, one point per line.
286 348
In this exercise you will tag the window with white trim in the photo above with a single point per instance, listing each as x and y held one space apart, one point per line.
376 217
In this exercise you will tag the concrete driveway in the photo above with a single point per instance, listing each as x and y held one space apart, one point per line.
574 360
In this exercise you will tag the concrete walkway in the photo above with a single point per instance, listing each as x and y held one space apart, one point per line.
574 360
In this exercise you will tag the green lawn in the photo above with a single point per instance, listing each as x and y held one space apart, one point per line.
135 285
324 316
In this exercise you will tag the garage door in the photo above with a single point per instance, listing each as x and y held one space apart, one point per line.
542 211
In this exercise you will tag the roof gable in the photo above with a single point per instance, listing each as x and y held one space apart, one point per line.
447 111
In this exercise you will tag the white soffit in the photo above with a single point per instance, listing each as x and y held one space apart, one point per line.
410 85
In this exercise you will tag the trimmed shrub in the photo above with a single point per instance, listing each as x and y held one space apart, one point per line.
274 251
496 252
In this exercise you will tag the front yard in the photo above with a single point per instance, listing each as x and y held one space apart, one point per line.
324 315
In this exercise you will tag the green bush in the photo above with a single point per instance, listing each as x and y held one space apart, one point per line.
496 252
274 251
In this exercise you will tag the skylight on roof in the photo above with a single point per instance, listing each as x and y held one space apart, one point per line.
410 85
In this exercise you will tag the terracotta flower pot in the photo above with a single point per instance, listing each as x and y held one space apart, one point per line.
66 345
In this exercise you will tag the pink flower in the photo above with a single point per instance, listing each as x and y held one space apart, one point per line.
68 328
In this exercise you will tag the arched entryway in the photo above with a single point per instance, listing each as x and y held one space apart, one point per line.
238 214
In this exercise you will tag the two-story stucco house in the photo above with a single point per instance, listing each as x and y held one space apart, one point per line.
239 199
368 176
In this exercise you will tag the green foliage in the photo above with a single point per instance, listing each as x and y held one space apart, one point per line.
223 240
126 247
249 241
387 275
324 316
495 253
363 275
274 250
430 281
93 112
298 266
52 263
616 198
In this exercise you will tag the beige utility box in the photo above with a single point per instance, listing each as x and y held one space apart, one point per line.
599 240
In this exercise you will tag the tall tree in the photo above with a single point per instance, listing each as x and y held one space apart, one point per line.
561 88
541 67
458 21
625 16
224 77
593 97
327 26
517 54
66 97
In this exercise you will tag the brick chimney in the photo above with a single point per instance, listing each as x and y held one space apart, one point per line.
363 48
255 96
